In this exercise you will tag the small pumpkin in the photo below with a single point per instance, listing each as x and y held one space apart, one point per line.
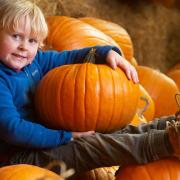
139 117
146 108
83 97
161 88
166 169
115 31
27 172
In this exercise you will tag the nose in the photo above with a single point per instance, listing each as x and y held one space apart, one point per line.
23 45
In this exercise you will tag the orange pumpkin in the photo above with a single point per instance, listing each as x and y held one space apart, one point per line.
167 169
161 88
139 117
175 75
116 32
82 97
67 33
146 108
175 67
104 173
27 172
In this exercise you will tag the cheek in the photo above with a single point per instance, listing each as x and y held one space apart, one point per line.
5 44
5 51
32 55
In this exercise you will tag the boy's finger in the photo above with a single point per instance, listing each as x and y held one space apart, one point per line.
135 77
113 64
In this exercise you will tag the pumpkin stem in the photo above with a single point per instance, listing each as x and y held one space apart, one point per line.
91 56
142 110
177 100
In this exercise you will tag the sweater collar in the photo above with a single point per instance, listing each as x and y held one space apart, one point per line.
8 70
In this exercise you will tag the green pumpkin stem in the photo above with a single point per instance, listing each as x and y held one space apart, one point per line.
91 56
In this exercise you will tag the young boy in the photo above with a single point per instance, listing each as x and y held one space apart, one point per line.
24 140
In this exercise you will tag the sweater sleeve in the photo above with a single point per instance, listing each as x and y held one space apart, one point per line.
22 132
51 59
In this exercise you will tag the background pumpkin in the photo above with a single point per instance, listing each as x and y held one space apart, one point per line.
82 97
175 67
116 32
167 169
133 61
67 33
161 88
27 172
175 75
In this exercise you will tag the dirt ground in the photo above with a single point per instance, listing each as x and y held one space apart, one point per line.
153 28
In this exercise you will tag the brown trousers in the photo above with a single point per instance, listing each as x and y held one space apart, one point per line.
142 144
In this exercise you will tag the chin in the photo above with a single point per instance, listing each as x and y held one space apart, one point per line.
17 68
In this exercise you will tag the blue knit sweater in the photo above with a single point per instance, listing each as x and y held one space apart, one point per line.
18 124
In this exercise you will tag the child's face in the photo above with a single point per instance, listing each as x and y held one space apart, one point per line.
18 48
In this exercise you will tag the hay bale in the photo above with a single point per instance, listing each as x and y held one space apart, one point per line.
154 29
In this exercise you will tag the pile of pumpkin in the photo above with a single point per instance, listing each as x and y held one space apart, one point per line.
102 99
98 97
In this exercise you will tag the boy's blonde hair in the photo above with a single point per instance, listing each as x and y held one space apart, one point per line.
11 11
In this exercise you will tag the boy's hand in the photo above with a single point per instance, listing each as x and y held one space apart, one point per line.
114 60
80 134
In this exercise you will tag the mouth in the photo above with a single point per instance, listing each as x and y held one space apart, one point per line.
19 56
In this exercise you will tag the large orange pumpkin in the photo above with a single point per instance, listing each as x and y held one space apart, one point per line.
167 169
161 88
67 33
27 172
82 97
116 32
